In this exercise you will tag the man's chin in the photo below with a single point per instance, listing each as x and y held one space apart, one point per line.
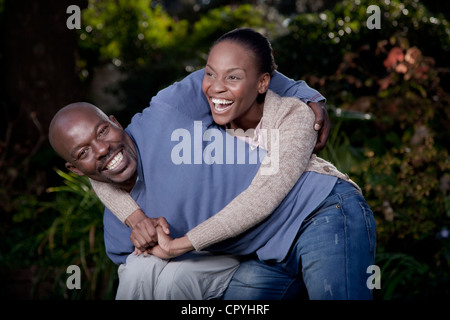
123 178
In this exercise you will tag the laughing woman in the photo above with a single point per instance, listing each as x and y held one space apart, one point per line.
323 236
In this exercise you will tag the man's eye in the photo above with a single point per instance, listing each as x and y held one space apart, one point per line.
82 153
103 130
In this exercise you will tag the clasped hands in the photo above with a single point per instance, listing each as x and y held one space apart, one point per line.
152 236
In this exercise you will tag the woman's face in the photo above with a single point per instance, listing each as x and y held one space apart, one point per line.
231 84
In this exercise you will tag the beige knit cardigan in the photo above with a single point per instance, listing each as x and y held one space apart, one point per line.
290 142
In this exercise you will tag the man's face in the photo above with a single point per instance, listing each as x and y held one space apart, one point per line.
96 146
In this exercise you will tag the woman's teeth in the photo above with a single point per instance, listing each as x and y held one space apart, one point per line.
115 161
221 105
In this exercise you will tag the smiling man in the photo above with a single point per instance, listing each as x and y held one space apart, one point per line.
99 147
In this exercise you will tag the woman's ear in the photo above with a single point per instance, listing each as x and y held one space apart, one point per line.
264 81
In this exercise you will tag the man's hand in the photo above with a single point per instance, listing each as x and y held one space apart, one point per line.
322 124
143 234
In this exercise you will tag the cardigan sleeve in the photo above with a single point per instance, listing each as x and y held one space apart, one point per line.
291 141
118 201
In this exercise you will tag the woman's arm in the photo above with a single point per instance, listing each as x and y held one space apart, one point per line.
121 204
295 145
125 208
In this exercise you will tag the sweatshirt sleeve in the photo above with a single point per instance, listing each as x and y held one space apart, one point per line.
286 87
118 201
290 146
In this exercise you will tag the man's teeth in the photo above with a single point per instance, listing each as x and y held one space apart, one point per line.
221 104
115 161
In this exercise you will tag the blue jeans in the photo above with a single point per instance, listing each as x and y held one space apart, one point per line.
328 260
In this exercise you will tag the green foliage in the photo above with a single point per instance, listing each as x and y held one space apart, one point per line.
72 234
316 42
129 32
76 237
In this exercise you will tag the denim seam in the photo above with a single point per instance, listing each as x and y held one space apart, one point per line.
341 197
368 226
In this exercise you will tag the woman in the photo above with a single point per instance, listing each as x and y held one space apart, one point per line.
316 244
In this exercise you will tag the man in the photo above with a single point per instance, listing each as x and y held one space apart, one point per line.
185 195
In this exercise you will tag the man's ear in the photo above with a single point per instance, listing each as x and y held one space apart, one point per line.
74 169
264 81
113 119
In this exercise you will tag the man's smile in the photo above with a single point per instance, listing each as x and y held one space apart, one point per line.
114 163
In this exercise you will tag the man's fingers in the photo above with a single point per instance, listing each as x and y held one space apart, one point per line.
142 240
146 229
321 124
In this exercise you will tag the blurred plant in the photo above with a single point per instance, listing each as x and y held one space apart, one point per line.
73 236
400 272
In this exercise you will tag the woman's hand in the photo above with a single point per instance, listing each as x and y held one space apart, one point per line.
167 247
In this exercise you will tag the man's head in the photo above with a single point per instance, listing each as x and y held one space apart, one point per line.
94 144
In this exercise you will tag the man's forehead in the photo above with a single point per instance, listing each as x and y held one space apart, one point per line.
75 128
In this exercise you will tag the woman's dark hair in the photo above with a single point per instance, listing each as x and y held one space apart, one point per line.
255 42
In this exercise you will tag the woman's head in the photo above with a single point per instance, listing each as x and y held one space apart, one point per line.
237 76
256 43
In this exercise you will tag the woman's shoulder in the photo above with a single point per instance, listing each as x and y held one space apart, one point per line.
276 107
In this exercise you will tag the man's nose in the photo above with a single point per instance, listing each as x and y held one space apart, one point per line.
101 148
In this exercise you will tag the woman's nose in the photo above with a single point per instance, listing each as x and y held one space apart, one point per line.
218 86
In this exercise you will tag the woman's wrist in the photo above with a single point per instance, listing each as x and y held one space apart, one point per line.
181 246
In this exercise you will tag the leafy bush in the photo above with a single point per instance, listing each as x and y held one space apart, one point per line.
70 232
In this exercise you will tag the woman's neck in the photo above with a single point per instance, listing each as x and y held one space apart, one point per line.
250 119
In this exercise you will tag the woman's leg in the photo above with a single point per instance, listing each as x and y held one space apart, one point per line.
336 245
257 280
